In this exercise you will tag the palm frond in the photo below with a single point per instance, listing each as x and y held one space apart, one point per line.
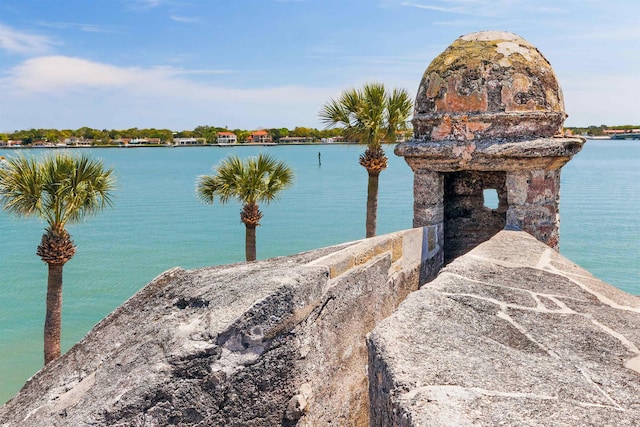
75 188
277 177
370 114
399 108
334 113
21 187
60 189
256 179
206 188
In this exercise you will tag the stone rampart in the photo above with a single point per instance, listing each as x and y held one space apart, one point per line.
511 333
275 342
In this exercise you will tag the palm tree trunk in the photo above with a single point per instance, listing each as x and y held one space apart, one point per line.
53 318
250 242
372 203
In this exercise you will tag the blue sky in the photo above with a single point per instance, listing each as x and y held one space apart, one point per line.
248 64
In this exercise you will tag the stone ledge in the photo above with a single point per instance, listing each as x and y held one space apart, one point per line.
489 154
511 333
273 342
359 253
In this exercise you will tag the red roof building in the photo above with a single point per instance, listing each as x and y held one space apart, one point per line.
260 136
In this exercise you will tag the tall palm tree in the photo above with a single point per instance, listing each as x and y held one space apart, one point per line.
62 190
251 181
370 115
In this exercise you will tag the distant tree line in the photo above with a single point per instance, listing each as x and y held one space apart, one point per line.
105 137
599 130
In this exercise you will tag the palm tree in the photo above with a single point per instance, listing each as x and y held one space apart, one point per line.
370 115
251 181
62 190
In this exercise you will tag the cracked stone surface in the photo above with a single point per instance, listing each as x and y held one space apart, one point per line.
274 342
511 333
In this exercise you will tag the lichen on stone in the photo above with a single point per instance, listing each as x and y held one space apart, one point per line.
488 72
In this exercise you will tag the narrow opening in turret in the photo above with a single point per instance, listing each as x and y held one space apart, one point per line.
490 196
475 206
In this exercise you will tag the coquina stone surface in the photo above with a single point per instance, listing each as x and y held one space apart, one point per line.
510 334
488 116
487 85
271 343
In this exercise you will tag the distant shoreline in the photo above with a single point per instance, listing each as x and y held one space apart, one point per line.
248 144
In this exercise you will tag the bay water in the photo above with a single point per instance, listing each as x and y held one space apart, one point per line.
158 223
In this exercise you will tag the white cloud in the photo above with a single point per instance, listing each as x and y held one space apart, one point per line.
74 92
67 92
144 4
56 73
185 19
485 8
454 9
16 41
177 71
87 28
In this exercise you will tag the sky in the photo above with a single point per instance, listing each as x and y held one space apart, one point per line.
250 64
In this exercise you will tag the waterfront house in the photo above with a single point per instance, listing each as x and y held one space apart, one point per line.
74 141
295 140
260 136
226 138
189 141
332 140
619 131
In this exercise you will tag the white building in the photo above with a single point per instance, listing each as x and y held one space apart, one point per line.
227 138
188 141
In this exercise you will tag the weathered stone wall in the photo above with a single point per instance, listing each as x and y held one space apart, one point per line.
509 334
534 204
488 114
275 342
449 179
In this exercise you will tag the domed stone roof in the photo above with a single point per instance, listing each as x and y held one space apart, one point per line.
488 85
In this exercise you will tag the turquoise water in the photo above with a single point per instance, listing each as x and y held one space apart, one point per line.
158 223
600 212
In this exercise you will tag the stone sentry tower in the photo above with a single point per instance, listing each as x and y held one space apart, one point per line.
488 115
